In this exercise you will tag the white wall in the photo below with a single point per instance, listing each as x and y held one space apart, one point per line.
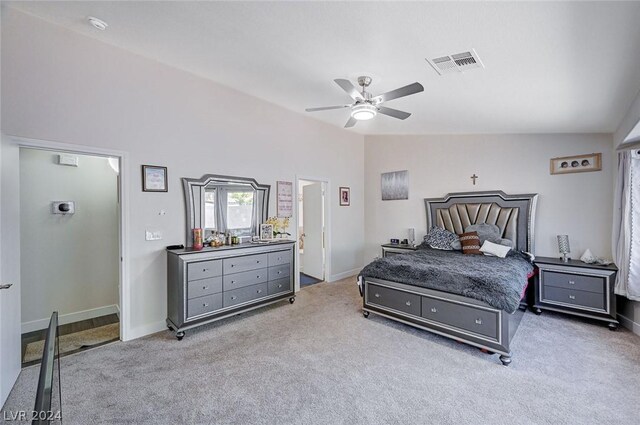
579 205
69 262
65 87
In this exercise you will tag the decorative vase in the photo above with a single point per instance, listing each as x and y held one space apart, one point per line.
197 239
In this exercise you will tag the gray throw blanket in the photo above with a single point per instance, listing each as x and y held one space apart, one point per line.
500 282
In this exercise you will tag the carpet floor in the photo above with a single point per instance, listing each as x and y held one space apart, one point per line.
319 361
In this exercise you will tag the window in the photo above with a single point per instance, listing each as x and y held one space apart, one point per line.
240 210
210 209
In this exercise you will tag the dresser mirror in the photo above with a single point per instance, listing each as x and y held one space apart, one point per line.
222 203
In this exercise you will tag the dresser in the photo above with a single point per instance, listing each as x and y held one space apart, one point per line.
215 283
576 288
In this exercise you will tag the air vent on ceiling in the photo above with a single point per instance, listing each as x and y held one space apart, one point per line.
455 63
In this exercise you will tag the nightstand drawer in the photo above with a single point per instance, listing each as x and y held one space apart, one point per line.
591 300
574 281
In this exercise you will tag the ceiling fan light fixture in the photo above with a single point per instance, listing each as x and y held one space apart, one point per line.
363 112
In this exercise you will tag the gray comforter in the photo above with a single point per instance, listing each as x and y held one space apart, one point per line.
500 282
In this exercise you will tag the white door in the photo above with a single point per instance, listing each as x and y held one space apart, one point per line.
312 217
9 268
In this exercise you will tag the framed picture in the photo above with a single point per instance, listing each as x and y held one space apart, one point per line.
154 178
266 232
395 185
345 196
284 199
576 164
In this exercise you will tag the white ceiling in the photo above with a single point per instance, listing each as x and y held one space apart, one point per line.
550 67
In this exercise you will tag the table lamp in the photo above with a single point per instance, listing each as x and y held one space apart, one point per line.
563 247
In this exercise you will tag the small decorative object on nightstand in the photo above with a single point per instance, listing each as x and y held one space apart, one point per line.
389 249
563 247
576 288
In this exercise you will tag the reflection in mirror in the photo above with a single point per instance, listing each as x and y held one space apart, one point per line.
220 204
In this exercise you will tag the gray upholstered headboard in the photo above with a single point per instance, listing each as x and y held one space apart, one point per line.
513 214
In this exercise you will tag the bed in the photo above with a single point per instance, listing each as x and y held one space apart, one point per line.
444 301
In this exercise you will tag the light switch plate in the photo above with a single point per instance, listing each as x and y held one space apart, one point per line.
153 235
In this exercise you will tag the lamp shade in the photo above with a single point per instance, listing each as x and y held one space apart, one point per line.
563 244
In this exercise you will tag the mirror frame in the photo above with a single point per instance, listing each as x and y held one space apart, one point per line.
193 196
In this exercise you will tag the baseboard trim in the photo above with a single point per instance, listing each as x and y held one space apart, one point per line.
344 275
78 316
629 324
145 330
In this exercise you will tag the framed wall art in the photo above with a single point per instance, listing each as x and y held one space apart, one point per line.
576 164
154 178
345 196
395 185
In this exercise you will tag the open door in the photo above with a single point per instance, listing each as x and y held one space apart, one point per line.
313 219
9 268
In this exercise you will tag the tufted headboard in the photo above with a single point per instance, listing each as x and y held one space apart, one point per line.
513 214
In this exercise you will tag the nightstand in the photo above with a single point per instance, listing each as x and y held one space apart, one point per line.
390 249
576 288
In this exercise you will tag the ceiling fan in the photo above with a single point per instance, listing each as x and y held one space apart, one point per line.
366 106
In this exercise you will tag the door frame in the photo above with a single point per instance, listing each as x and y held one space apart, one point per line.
327 226
123 211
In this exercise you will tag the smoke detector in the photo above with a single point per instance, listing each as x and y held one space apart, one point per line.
97 23
455 63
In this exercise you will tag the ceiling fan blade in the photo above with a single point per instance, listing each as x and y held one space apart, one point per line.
401 115
348 86
326 108
352 121
401 92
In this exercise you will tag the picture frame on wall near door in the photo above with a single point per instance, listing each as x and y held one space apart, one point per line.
345 196
154 178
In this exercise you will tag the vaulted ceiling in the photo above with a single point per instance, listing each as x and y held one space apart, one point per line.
550 67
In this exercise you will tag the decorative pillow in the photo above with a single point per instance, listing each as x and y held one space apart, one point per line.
494 249
505 242
486 232
470 243
440 239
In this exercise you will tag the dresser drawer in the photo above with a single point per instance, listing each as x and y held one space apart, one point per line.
240 280
204 269
203 305
573 281
279 285
465 317
241 295
280 257
243 264
202 287
278 272
395 299
578 299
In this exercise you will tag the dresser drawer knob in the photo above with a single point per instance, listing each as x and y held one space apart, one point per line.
259 291
204 270
571 282
280 285
205 305
408 303
478 321
377 295
434 310
258 262
233 281
258 277
205 287
233 297
233 265
279 271
572 297
279 258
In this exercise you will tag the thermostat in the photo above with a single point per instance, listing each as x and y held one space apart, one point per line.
63 207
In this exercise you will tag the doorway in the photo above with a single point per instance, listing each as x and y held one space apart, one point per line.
70 242
312 240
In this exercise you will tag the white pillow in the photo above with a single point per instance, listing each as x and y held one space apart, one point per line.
494 249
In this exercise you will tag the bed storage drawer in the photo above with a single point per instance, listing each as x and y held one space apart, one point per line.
279 285
242 264
394 299
240 280
202 287
465 317
573 281
241 295
591 300
204 269
203 305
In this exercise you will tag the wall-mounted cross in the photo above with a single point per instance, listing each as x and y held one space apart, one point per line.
474 177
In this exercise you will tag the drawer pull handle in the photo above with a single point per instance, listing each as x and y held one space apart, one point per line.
279 258
280 285
204 270
258 261
205 287
572 297
377 295
571 282
233 265
233 297
279 272
408 303
259 291
478 321
434 310
258 277
205 305
233 281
